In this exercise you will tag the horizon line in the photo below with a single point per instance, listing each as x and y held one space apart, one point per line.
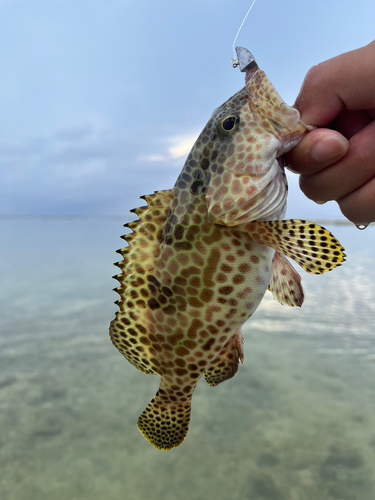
14 217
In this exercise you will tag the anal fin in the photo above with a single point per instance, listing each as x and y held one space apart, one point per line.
285 282
225 365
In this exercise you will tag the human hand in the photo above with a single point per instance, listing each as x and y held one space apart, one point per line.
338 162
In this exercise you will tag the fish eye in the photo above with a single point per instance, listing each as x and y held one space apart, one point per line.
228 125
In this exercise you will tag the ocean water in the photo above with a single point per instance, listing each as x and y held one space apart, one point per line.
296 423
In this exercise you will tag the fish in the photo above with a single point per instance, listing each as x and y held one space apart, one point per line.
201 255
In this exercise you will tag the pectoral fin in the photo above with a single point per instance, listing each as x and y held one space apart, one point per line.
285 282
314 248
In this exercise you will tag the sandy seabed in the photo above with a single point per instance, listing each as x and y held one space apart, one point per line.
297 423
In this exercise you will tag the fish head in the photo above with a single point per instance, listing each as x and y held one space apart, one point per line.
254 127
241 148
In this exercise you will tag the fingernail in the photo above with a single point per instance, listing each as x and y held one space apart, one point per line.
330 149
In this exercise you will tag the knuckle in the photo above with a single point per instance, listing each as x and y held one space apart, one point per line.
313 75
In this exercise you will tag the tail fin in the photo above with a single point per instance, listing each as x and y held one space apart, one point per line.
164 423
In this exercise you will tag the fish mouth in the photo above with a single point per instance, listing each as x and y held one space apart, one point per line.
290 142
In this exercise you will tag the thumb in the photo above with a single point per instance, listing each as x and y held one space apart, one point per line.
317 150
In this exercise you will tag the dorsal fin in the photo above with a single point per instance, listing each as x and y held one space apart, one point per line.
128 329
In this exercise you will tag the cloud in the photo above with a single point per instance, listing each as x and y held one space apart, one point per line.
88 169
182 146
47 159
179 147
74 134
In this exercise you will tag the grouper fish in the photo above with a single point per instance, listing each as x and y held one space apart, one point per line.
201 255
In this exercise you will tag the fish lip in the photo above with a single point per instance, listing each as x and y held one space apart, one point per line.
290 143
250 74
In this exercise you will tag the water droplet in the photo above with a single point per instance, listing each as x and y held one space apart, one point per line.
361 227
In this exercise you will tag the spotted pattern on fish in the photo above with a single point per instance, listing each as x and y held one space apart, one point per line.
201 255
225 365
314 248
285 283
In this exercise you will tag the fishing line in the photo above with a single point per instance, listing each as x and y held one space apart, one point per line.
239 30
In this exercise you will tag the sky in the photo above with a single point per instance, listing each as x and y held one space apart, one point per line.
101 100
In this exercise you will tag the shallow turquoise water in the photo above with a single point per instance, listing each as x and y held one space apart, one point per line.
297 423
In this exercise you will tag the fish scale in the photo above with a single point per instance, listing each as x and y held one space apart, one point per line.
202 255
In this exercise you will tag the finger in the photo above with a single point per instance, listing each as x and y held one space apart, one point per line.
359 206
349 123
346 175
317 150
345 81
